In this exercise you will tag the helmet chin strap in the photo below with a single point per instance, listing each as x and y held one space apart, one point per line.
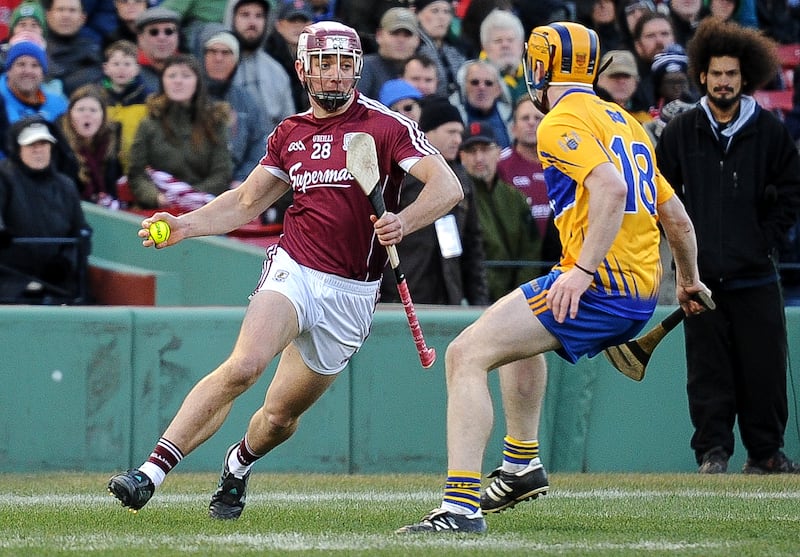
542 105
330 102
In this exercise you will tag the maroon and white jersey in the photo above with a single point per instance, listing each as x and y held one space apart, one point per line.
327 228
528 177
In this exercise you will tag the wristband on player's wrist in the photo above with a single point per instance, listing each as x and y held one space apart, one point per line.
587 271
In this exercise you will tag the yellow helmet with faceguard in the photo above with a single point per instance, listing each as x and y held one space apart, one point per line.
562 53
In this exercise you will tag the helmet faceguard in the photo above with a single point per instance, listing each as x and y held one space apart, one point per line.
562 53
319 41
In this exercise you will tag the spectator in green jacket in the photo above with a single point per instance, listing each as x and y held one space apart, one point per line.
509 233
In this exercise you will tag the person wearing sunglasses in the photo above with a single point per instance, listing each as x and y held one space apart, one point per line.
402 97
157 38
481 98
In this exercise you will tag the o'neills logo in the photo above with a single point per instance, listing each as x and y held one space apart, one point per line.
330 177
322 138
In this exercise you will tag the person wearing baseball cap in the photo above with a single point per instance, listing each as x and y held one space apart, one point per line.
41 202
619 80
281 44
397 38
507 226
444 261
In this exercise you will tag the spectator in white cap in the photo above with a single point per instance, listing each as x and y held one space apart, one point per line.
157 36
38 200
21 86
402 97
398 39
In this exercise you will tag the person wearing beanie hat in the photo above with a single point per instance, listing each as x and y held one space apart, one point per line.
247 132
21 85
438 111
670 74
227 40
443 261
26 48
28 16
272 87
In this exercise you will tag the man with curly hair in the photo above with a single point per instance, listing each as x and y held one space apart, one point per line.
738 172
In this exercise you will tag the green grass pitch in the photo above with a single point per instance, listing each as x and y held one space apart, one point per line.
584 514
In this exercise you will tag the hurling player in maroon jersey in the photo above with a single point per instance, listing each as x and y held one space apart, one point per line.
315 300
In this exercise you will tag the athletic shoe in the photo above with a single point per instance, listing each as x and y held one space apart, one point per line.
228 500
133 488
509 488
778 463
440 520
714 461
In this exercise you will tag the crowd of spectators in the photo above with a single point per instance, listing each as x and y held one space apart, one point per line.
96 69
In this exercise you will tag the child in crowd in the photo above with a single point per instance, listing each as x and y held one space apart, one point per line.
95 142
126 93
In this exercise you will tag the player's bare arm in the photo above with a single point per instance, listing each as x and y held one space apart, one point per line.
226 212
441 192
679 230
607 191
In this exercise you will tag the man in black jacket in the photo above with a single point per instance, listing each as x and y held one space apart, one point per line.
738 173
38 207
444 262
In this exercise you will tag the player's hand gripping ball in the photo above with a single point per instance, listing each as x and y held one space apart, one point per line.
159 231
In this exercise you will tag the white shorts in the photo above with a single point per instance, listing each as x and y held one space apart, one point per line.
334 313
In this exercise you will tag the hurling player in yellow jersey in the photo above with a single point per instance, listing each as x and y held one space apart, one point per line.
607 197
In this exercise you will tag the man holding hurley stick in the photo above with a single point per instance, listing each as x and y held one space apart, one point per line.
607 196
316 297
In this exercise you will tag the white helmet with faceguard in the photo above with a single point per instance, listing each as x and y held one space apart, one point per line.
329 38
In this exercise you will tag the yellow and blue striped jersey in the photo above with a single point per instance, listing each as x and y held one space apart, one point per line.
579 133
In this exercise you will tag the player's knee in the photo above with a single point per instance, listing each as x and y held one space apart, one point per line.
457 350
279 424
243 372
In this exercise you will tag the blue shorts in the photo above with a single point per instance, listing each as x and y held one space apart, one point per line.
596 327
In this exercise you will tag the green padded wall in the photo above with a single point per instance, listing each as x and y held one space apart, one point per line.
92 389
